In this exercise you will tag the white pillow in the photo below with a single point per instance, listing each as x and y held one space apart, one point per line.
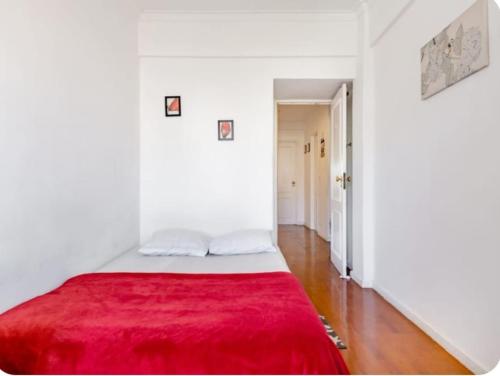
242 242
177 243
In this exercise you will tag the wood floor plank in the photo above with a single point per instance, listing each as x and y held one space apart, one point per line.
380 339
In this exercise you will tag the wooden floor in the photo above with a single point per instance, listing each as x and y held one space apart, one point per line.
380 340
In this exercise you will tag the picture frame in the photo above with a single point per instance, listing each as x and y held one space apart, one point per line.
173 106
225 130
459 51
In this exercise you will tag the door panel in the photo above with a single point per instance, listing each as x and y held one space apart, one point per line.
287 178
338 183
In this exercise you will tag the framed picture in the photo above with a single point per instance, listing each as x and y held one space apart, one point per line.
459 51
225 130
173 106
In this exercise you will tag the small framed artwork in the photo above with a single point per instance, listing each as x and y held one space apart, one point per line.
173 106
225 130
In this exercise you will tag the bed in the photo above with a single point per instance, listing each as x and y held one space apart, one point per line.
244 314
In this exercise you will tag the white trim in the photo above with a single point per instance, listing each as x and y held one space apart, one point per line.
312 183
176 56
472 365
236 17
275 173
360 281
322 236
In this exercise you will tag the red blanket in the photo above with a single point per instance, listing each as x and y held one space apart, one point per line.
128 323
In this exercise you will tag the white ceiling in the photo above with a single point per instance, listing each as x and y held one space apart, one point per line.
252 5
306 89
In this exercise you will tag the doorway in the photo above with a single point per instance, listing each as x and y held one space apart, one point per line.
314 166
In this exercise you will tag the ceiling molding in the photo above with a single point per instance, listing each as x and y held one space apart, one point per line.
239 16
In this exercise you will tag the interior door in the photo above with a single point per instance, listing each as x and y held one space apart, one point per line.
287 200
338 184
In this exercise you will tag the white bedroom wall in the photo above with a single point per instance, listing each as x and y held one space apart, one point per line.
189 178
436 188
383 13
68 140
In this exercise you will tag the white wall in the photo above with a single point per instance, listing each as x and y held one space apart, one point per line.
383 14
254 5
437 189
188 177
248 34
68 140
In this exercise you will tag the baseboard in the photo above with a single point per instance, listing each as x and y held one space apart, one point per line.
325 238
309 227
360 281
430 331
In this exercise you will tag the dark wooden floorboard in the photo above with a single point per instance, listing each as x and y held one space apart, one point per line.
380 339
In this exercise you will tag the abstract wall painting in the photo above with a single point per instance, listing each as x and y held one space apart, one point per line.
459 51
226 130
173 106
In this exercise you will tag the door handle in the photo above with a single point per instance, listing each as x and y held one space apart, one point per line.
293 184
343 180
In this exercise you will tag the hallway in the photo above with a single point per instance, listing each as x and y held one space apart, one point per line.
380 340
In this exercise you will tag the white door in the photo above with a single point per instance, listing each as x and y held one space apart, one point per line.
338 184
287 199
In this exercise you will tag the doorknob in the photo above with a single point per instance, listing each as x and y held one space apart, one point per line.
293 184
339 179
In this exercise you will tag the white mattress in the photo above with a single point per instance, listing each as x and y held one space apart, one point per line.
132 261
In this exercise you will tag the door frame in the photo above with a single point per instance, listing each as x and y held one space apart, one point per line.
313 202
290 102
